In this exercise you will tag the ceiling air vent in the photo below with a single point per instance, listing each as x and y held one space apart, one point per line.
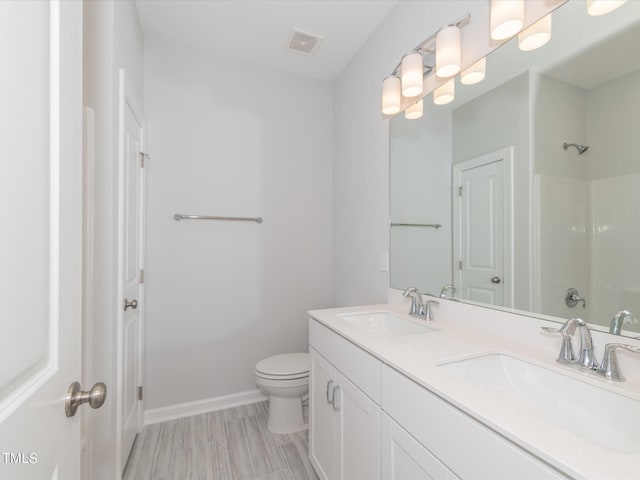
303 42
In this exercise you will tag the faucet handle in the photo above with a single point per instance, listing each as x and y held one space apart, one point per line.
609 367
566 354
417 306
587 358
428 305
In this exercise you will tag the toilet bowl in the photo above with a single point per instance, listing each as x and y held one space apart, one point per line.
285 378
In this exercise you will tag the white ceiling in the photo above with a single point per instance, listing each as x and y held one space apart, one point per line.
256 31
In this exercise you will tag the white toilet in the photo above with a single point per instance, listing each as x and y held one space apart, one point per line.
285 378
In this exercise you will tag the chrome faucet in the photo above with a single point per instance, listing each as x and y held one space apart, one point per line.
448 286
618 319
417 306
608 368
586 358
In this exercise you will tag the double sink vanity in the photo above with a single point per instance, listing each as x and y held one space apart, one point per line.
474 394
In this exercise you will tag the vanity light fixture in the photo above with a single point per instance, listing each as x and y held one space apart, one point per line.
406 82
448 55
507 18
600 7
391 96
411 74
445 93
414 111
536 35
475 73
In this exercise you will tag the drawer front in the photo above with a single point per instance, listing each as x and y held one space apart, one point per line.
357 365
464 445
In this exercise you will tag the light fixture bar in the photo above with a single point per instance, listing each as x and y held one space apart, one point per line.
428 46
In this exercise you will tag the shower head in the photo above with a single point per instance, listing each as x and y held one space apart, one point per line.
581 148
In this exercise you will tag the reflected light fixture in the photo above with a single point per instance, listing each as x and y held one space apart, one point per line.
600 7
507 18
475 73
414 111
536 35
411 74
445 93
448 51
391 96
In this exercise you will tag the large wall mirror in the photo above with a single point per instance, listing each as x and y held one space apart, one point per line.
524 192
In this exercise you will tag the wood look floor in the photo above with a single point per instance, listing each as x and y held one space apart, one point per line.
231 444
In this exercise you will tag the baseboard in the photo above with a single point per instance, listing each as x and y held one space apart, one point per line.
188 409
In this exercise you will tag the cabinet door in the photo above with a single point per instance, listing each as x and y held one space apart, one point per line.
323 450
403 458
358 432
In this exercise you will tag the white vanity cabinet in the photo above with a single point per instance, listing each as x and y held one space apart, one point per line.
344 422
403 458
368 421
463 444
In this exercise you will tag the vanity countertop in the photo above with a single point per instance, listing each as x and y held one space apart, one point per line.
451 337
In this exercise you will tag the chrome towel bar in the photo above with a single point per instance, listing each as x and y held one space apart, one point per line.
432 225
180 216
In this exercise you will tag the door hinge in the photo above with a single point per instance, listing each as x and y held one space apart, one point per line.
460 191
143 158
459 264
141 276
140 393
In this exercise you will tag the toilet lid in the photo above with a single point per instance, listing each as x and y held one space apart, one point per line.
284 365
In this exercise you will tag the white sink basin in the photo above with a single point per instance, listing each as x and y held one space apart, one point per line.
599 415
384 323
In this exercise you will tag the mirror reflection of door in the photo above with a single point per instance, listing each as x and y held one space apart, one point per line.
482 233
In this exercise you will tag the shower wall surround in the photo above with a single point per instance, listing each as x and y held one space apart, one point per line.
231 140
588 221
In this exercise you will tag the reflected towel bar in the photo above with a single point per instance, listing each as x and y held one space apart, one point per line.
180 216
432 225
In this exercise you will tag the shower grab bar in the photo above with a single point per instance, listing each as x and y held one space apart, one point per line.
432 225
180 216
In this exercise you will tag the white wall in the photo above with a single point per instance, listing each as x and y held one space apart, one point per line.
232 140
112 40
420 170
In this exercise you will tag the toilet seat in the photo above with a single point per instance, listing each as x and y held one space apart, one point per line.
288 366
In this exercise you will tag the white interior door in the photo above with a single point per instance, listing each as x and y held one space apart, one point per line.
41 241
131 266
482 229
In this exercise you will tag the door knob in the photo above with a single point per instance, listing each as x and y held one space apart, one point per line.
76 397
495 279
133 304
